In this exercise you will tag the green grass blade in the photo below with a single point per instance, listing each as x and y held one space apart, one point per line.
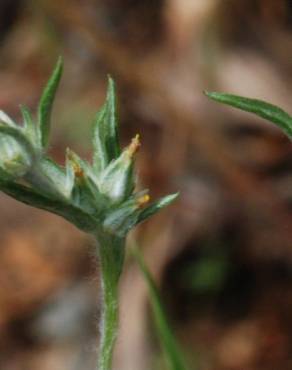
46 103
261 108
173 355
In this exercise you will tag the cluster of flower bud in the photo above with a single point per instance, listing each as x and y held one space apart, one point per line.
98 197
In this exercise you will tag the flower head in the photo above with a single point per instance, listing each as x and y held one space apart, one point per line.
97 197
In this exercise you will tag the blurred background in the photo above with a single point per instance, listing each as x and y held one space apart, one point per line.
222 254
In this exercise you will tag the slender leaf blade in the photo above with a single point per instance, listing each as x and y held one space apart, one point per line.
32 198
261 108
46 103
172 352
112 141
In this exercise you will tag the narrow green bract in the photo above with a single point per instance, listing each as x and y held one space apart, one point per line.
98 198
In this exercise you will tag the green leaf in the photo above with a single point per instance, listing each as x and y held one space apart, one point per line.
46 103
156 206
32 198
173 355
261 108
105 137
112 140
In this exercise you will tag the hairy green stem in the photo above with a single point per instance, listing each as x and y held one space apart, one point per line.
111 254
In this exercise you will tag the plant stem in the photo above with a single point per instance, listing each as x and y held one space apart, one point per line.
111 254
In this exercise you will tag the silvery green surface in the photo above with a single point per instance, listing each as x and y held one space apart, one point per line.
94 196
98 197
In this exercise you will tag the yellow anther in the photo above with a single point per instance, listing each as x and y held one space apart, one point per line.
134 146
78 171
143 200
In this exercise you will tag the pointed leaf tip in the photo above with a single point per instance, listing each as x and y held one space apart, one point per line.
111 82
156 206
134 146
46 102
6 119
261 108
168 199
